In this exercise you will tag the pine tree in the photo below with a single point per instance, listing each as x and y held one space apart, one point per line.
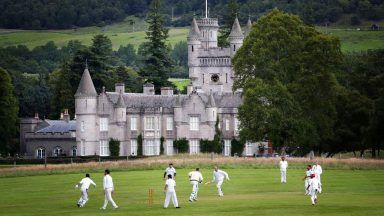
227 22
8 113
157 62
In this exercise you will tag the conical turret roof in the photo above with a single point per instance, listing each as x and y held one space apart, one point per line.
236 29
86 87
249 26
211 101
194 32
120 102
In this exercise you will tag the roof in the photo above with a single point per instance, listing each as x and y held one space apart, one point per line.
86 87
58 126
249 26
120 102
194 32
236 29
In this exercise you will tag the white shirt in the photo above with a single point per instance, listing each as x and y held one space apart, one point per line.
283 165
171 184
308 173
85 183
170 171
313 184
219 176
195 176
317 169
107 182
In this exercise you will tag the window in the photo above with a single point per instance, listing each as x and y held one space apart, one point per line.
103 124
152 147
74 151
194 146
234 47
192 48
249 149
133 147
40 153
82 147
227 147
133 123
169 147
82 126
57 151
169 123
194 123
149 123
227 124
104 148
237 123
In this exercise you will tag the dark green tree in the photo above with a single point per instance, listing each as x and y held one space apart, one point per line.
140 145
226 22
114 147
162 139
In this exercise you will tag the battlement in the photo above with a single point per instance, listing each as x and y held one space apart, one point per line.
215 62
208 22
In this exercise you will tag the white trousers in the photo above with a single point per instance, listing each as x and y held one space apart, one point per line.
283 176
168 196
306 183
108 198
218 185
195 190
319 180
83 198
313 194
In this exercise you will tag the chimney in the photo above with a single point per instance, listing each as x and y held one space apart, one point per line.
166 91
190 89
66 116
37 116
120 88
61 116
149 89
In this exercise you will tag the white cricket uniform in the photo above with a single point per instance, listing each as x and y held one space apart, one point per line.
195 178
85 183
318 171
170 171
170 193
283 171
306 182
218 178
108 189
313 189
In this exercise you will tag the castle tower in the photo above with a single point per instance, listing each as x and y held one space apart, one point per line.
208 28
248 28
86 116
121 110
211 110
194 44
236 38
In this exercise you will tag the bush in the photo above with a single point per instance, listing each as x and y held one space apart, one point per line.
114 147
237 147
140 145
181 145
162 145
207 146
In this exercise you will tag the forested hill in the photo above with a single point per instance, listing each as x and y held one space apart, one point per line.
62 14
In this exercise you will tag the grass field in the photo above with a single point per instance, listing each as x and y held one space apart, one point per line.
180 83
250 192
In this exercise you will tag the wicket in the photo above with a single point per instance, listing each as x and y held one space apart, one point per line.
150 196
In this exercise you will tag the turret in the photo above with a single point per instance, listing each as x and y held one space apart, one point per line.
120 110
86 115
211 109
248 28
178 110
236 37
194 43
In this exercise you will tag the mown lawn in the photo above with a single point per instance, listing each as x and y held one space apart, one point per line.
250 192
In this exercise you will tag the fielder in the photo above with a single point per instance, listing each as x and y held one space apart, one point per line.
170 192
84 186
307 177
108 190
195 178
318 171
218 178
170 170
283 169
313 188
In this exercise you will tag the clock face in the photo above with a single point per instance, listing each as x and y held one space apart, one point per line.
215 77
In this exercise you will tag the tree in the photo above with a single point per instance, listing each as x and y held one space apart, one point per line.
8 114
140 145
226 22
114 147
237 147
157 62
181 145
128 76
127 55
162 139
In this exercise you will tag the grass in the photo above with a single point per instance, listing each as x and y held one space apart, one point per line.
250 192
180 83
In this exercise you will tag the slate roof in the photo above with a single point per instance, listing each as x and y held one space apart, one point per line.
58 126
236 29
86 87
194 32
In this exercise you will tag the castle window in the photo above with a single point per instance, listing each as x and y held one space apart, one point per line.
152 147
227 147
192 48
104 148
237 123
133 147
149 123
169 147
74 151
194 146
203 78
226 78
133 123
249 149
227 124
103 124
234 47
169 123
40 153
82 148
194 123
82 126
57 151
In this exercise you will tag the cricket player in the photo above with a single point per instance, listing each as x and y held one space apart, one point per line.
108 190
84 186
313 188
317 170
170 192
170 170
307 177
218 177
283 169
195 178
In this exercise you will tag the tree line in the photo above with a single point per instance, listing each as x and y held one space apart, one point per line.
63 14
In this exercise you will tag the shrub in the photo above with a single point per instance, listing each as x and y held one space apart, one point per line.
237 147
114 147
162 145
181 145
140 145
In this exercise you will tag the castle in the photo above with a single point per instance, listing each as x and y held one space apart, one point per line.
210 97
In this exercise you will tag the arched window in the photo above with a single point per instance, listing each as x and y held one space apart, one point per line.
40 153
74 151
234 47
57 151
